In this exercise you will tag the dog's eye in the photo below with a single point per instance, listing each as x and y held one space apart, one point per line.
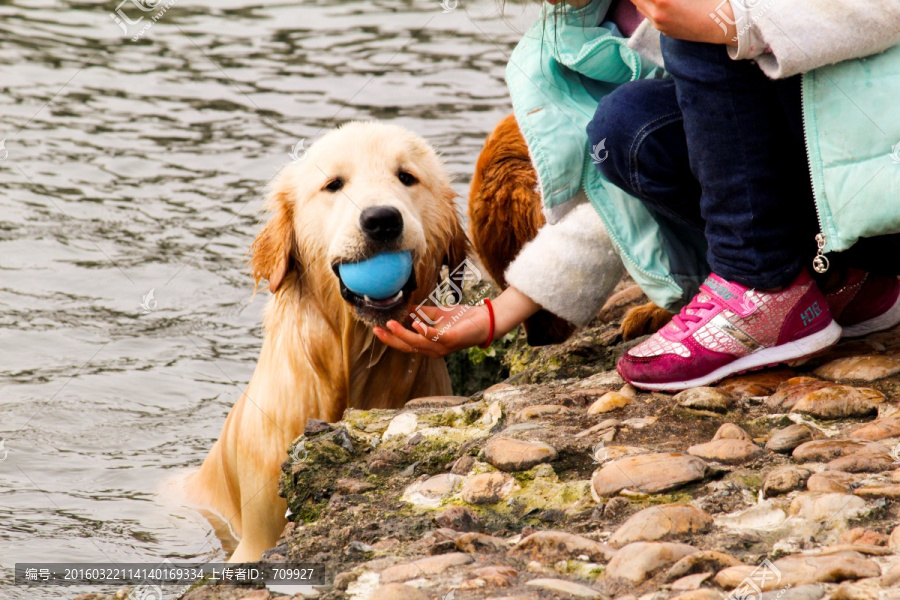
406 178
335 185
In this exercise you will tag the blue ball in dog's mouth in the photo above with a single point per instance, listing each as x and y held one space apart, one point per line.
378 278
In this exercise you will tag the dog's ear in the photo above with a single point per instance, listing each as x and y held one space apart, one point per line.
273 248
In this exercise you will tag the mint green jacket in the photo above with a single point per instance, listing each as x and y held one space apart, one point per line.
564 65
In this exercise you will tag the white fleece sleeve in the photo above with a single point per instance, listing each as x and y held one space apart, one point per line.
570 268
645 40
787 37
749 42
802 35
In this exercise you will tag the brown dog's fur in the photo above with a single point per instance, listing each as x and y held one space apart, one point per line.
319 355
505 213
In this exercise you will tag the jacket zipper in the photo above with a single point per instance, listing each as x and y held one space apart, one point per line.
820 263
619 246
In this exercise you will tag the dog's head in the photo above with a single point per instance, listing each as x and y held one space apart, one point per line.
361 190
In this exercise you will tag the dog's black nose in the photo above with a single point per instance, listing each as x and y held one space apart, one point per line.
381 223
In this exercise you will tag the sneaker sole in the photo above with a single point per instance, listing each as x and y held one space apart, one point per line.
767 357
885 320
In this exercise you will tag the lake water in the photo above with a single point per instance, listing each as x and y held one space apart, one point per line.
133 167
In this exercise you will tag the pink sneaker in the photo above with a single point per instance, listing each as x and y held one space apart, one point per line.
729 329
865 303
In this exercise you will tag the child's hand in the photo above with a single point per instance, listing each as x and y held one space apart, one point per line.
470 328
691 20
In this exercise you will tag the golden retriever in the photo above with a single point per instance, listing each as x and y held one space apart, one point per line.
319 355
505 213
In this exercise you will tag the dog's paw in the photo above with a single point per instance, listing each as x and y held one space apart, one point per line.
645 319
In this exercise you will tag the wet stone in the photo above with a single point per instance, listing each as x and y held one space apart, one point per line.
566 587
785 440
437 402
731 444
431 565
860 368
648 473
880 429
463 465
761 383
791 390
802 569
809 591
839 402
550 546
353 486
660 522
399 591
706 561
879 491
383 461
700 594
432 491
487 488
615 507
541 410
497 576
609 402
834 507
869 459
825 450
458 518
315 427
602 453
860 535
479 542
705 399
784 480
401 425
894 539
640 561
690 582
830 481
517 455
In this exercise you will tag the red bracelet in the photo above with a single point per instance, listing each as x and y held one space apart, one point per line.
490 338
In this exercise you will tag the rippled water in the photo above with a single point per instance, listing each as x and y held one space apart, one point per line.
138 166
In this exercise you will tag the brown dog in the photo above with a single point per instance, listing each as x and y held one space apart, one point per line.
505 212
363 189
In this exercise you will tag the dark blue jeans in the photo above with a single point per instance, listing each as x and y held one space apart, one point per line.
719 148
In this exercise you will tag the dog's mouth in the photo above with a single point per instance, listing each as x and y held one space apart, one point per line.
377 305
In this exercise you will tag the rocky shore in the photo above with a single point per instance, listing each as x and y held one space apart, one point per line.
564 482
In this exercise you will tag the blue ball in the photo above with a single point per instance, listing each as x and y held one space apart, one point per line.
379 277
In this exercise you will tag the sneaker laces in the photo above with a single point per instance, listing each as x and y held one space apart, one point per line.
683 318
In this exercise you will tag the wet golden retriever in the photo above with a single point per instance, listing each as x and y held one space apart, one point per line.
362 189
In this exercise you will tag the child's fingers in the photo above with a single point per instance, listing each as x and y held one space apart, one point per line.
392 340
416 340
